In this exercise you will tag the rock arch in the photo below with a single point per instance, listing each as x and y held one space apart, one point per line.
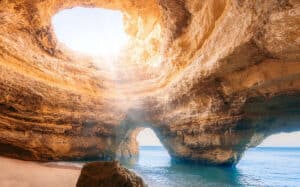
221 68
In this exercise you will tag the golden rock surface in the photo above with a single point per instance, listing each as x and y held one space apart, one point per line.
210 77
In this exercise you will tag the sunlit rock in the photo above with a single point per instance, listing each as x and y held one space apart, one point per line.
102 174
211 78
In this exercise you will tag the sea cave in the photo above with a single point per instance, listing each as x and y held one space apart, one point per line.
211 79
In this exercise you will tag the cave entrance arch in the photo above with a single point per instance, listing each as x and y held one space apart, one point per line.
141 144
277 155
151 151
275 145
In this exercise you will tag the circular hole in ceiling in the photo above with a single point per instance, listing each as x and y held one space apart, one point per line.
93 31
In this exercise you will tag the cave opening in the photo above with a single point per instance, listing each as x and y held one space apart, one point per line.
147 137
151 151
275 152
92 31
284 139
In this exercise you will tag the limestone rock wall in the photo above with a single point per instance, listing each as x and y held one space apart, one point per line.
211 78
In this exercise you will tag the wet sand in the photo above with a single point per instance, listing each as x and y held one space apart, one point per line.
17 173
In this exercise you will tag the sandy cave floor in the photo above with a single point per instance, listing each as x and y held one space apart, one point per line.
15 173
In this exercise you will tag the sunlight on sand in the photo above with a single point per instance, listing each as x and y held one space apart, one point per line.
17 173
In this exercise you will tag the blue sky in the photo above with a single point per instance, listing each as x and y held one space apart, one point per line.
100 32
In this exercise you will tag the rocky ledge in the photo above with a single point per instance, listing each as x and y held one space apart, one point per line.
211 78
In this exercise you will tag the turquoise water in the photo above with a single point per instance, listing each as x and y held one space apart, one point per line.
259 167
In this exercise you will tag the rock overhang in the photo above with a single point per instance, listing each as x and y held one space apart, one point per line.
215 58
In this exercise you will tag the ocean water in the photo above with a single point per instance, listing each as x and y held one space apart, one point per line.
260 166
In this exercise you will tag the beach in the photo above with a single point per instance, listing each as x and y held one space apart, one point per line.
18 173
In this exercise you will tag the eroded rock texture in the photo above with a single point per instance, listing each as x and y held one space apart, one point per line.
103 174
210 77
